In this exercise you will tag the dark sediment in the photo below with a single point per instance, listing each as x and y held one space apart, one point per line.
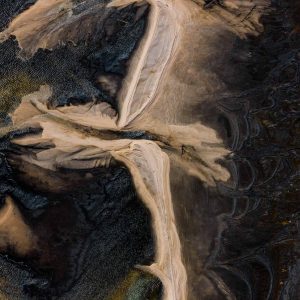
245 236
91 232
91 227
72 71
240 241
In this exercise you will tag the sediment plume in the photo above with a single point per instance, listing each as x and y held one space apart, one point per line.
148 164
146 102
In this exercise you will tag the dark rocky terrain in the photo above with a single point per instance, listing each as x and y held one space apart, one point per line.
92 227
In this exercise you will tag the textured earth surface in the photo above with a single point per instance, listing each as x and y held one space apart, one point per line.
240 239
